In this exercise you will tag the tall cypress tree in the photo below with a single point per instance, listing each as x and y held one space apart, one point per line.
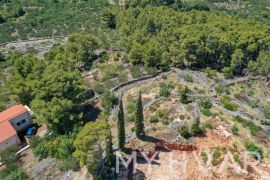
121 127
139 126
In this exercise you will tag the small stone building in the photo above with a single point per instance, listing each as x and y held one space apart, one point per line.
12 121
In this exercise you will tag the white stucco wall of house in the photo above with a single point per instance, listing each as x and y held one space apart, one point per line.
27 124
9 142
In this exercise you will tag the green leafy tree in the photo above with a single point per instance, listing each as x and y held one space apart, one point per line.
121 126
57 113
139 125
81 47
90 144
26 73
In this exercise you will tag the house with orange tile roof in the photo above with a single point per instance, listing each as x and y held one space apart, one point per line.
13 121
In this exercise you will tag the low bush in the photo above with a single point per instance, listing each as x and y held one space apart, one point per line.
220 89
59 147
227 103
13 172
8 156
196 129
250 125
166 120
204 157
235 129
251 147
188 78
136 72
208 126
165 90
104 58
184 95
184 131
206 103
216 156
160 114
154 119
211 73
206 112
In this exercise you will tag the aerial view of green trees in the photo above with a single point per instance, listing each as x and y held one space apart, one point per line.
162 36
35 18
53 86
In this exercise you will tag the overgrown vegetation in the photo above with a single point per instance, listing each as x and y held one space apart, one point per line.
227 103
165 89
12 170
248 124
43 19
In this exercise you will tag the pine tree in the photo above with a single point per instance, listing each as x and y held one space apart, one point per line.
121 127
109 152
139 126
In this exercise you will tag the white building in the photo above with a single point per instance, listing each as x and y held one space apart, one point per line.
12 121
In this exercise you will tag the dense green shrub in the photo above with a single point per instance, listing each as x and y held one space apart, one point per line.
184 95
104 58
206 103
196 129
165 89
253 148
184 131
204 156
206 112
13 172
8 156
154 119
216 156
166 120
60 147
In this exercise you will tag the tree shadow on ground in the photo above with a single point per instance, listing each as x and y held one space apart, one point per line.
90 113
148 138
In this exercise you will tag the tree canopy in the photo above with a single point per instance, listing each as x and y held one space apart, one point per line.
91 143
53 86
162 36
